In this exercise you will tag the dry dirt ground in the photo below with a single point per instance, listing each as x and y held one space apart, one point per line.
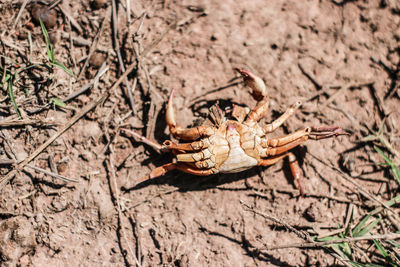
340 58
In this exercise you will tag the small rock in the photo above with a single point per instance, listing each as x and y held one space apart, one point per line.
48 16
97 4
97 59
312 213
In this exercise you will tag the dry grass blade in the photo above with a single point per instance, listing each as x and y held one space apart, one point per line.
392 236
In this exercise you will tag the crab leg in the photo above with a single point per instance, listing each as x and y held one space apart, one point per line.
318 133
294 167
282 149
194 146
276 142
259 93
278 122
159 171
190 134
315 133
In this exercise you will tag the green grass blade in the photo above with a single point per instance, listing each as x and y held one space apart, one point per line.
389 203
360 225
61 66
49 47
381 248
368 228
396 172
384 252
9 79
389 162
383 155
57 102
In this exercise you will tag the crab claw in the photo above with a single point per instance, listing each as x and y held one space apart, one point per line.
254 82
326 132
170 113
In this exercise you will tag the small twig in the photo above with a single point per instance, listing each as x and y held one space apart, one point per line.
340 91
134 222
316 84
7 161
52 174
142 139
20 13
71 19
93 47
392 236
18 122
158 39
115 195
160 194
103 69
140 24
118 51
72 121
363 191
270 217
84 42
378 101
334 198
300 234
53 4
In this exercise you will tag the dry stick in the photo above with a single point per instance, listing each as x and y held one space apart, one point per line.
134 223
300 234
334 198
157 147
73 120
13 122
72 20
115 195
83 42
103 69
20 13
392 236
363 191
55 175
7 161
93 47
39 150
54 4
159 39
118 51
340 91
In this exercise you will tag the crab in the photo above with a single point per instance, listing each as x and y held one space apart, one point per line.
238 143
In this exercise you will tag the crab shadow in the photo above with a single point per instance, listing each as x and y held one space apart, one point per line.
188 182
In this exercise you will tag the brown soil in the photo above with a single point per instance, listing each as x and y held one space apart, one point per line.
340 58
